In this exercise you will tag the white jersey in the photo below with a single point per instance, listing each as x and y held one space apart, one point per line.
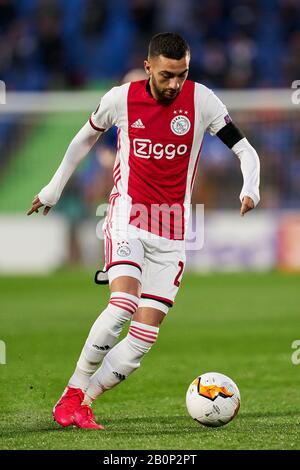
157 153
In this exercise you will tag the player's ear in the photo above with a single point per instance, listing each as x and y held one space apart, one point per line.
147 67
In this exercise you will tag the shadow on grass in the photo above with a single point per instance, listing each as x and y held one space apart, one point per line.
149 425
270 414
22 430
154 425
134 426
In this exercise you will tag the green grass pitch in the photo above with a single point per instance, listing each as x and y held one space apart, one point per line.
241 325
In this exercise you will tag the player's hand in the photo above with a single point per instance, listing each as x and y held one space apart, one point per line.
36 204
247 205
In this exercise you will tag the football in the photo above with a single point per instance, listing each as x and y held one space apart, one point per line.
213 399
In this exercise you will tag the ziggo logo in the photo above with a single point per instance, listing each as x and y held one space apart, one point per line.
144 148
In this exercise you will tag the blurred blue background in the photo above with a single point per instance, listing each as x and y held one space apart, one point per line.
54 44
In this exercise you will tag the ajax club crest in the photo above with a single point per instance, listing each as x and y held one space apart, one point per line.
123 248
180 124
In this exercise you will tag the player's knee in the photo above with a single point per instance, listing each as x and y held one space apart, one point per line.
155 310
128 284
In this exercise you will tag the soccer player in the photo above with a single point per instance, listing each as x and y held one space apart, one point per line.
161 123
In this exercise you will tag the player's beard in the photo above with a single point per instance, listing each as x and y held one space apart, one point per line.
164 95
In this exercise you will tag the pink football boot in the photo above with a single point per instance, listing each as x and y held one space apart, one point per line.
84 418
63 411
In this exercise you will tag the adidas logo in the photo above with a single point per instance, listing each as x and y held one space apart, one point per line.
101 348
138 124
119 376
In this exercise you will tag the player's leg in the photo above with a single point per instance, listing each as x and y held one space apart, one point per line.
123 303
124 258
162 270
159 273
125 278
83 414
126 356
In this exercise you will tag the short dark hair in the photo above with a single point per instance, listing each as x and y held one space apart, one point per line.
170 45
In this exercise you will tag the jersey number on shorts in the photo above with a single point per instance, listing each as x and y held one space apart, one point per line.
181 266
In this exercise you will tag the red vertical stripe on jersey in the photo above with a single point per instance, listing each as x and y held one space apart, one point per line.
117 167
195 168
159 158
108 227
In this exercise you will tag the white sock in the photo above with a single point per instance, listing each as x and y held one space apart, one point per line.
103 336
123 359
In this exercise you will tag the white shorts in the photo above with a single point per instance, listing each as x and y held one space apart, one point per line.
157 263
